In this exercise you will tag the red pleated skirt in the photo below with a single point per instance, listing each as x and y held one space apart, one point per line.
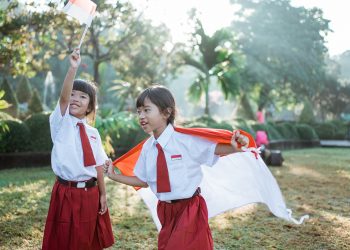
73 221
184 225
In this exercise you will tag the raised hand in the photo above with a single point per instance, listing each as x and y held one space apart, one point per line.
74 58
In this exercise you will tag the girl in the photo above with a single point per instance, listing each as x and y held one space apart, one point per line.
169 164
78 217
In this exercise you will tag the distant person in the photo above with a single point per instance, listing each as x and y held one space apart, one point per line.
78 216
260 116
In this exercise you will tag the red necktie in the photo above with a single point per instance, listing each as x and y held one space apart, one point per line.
89 159
163 183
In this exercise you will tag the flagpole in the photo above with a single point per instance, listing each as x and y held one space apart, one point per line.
82 37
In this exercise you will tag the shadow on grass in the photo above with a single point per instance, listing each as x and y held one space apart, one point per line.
308 185
24 200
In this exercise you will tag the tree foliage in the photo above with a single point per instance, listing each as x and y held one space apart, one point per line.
10 98
211 56
284 47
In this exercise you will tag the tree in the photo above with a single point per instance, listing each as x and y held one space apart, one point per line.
24 90
284 48
10 98
212 56
307 114
145 64
35 105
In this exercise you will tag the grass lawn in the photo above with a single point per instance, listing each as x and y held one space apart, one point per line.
313 181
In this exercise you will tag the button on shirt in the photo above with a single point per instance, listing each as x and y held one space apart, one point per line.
67 153
184 156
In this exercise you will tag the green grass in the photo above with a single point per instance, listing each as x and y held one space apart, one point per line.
313 181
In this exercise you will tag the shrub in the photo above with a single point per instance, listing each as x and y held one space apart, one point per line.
325 131
207 122
35 105
341 129
306 132
272 133
40 137
24 90
15 138
287 130
307 114
244 125
120 130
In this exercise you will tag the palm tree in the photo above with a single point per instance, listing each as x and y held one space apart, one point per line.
212 57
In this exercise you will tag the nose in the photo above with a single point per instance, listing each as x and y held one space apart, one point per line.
141 115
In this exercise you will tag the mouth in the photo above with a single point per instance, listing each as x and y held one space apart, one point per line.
143 123
74 106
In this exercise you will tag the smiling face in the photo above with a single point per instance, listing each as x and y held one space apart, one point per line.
79 104
151 118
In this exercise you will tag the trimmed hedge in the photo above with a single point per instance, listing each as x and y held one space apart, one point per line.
207 122
272 133
16 138
40 137
325 131
306 132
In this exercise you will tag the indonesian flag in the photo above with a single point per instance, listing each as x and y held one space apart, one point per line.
234 181
83 10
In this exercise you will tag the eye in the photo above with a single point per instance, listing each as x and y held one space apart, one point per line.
83 96
147 110
138 112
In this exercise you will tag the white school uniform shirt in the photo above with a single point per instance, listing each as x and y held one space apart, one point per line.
67 153
184 155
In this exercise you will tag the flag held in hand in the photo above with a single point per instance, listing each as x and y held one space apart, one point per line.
83 10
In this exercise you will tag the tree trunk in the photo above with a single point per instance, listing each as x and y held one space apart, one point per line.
96 74
206 90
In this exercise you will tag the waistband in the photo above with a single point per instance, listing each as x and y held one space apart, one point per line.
197 192
78 184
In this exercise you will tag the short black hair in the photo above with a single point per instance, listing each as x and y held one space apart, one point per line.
161 97
90 89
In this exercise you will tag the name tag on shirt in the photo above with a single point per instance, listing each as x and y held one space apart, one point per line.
176 157
93 137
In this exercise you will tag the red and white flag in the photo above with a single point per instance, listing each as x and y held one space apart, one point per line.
234 181
83 10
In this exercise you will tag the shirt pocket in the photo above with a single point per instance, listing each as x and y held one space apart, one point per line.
178 175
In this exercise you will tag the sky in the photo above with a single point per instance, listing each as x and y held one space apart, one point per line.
174 15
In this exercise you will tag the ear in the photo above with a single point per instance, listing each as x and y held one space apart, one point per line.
168 112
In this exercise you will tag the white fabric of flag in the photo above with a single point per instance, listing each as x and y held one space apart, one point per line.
83 10
234 181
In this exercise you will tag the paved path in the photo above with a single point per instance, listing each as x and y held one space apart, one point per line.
335 143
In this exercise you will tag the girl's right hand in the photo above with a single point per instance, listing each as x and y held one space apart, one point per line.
108 167
74 58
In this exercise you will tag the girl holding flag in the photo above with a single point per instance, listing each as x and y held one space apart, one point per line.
78 216
170 164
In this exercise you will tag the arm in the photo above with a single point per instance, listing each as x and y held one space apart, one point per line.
128 180
68 81
102 189
225 149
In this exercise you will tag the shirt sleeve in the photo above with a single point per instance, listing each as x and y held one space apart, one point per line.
101 155
140 167
203 151
56 120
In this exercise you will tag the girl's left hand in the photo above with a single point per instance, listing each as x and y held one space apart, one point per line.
103 204
238 138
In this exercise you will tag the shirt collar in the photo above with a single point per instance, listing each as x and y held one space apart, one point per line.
164 138
76 120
